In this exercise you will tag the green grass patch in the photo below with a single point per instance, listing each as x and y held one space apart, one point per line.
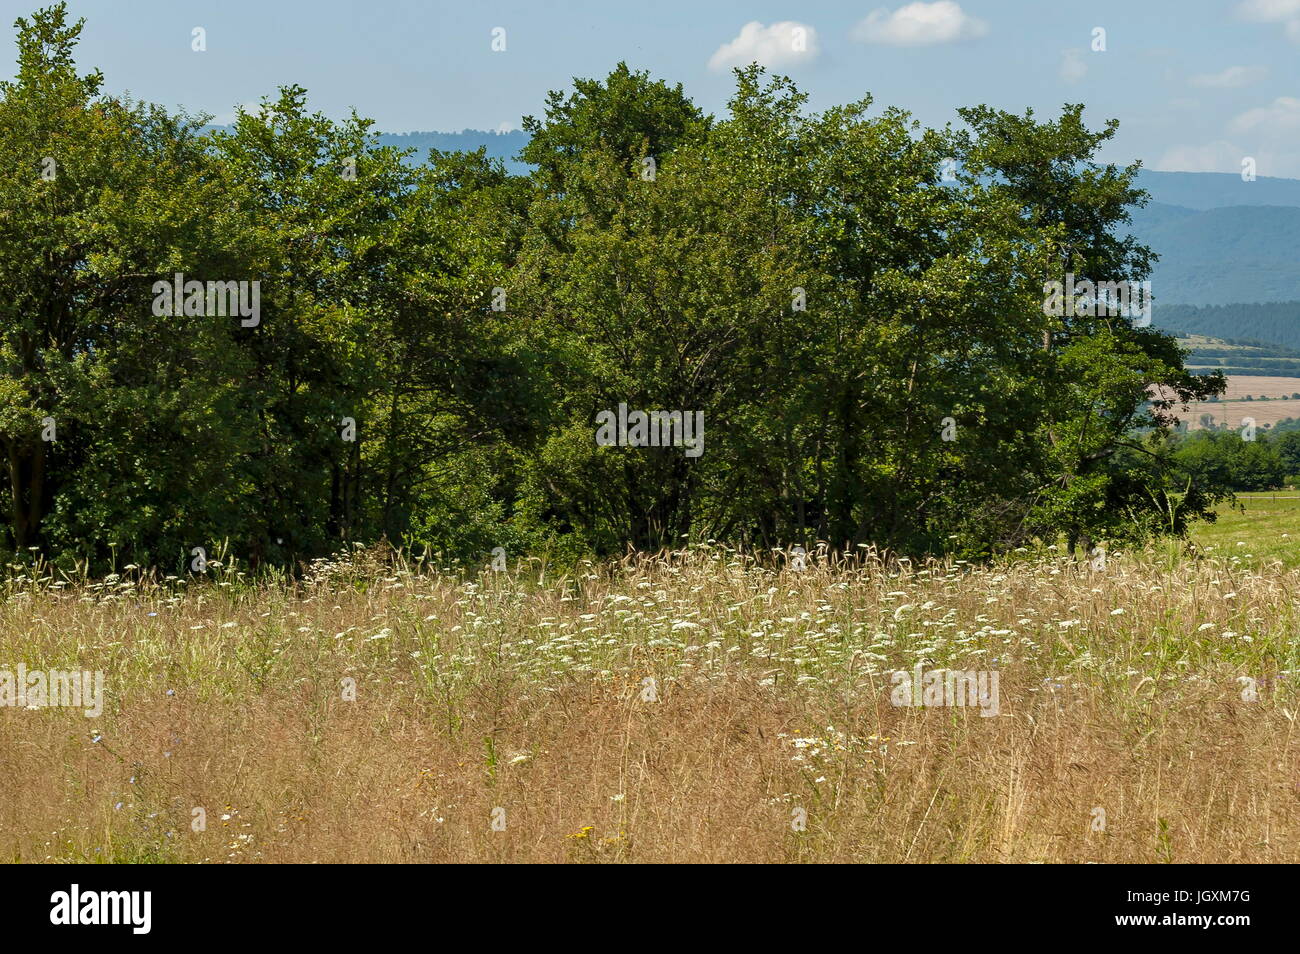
1261 528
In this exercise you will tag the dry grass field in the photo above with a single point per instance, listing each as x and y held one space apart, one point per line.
1241 385
1233 413
1128 729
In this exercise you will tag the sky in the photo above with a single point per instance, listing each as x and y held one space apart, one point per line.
1198 85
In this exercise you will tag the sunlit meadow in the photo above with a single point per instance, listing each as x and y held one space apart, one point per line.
1147 713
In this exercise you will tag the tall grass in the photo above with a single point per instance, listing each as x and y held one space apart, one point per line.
1130 729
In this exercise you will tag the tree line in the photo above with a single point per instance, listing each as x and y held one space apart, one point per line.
1239 459
852 303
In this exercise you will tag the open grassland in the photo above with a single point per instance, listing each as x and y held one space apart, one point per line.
1127 730
1259 530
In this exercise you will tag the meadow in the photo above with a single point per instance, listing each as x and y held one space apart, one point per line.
1261 529
690 707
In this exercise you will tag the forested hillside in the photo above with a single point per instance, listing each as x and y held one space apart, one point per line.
1268 323
1222 256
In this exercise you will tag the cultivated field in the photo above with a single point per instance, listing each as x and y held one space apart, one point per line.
1241 385
1129 729
1234 412
1232 406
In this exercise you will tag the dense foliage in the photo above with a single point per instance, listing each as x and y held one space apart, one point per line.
853 302
1222 457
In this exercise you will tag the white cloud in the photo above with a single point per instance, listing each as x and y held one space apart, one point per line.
1218 156
1234 77
1073 68
1266 134
1268 11
781 44
1224 156
1286 12
919 24
1280 116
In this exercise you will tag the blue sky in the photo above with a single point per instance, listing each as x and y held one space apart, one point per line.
1196 84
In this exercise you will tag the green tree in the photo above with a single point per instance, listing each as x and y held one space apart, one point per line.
1101 368
1287 443
99 198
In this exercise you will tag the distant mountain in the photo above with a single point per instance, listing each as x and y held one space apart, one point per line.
499 145
1239 253
1159 213
1220 240
1214 190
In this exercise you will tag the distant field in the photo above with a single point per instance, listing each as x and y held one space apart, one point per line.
1241 359
1240 385
1233 413
1233 407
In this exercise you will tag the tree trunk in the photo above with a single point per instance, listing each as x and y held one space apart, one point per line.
26 493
